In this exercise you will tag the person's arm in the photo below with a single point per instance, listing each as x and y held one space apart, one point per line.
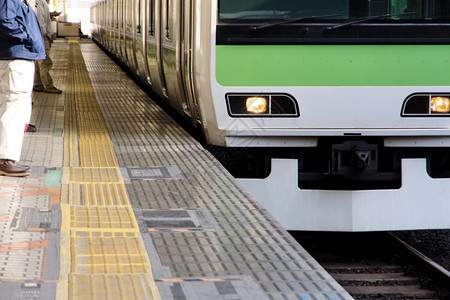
10 29
43 16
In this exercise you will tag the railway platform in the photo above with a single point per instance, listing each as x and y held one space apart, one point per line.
122 203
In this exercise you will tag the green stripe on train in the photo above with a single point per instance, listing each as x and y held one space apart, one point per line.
333 65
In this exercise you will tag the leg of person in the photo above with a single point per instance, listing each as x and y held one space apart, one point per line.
16 83
38 86
45 67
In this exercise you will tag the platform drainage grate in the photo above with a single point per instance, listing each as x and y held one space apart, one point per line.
175 220
167 172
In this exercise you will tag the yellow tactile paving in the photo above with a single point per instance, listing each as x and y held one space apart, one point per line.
71 156
98 217
102 252
98 194
109 287
108 255
95 175
97 153
92 125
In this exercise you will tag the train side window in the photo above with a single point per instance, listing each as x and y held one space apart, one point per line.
169 19
121 14
108 12
129 16
138 17
281 9
116 18
151 14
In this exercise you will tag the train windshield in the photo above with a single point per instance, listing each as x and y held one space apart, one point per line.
336 11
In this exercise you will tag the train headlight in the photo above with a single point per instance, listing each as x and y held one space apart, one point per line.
440 104
262 105
426 105
256 105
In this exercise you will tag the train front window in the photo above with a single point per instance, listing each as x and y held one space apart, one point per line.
333 22
232 10
402 11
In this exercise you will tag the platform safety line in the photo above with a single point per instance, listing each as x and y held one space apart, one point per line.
83 247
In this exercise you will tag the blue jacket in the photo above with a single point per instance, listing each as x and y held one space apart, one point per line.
20 33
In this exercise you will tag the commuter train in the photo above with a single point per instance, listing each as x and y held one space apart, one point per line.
333 114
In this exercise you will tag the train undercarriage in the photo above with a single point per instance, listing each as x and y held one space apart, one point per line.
349 164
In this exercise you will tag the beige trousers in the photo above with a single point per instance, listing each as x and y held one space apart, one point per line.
16 84
42 76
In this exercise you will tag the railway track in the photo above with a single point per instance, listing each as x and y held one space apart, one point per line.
377 265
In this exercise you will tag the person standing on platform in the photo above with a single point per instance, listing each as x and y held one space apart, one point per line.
43 82
21 44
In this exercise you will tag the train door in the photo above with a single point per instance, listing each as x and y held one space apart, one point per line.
172 41
108 21
187 59
104 23
131 21
119 23
95 19
115 28
121 30
139 37
125 30
154 33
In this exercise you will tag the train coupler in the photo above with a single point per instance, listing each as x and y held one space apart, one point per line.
354 159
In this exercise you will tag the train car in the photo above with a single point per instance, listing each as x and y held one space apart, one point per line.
334 114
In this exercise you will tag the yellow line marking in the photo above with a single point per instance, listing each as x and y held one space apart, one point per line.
171 280
212 279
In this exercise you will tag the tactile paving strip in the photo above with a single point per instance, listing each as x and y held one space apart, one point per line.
97 153
109 217
95 175
108 253
111 287
97 194
98 237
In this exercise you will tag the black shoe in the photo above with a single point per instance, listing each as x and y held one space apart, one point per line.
10 168
38 88
52 90
31 128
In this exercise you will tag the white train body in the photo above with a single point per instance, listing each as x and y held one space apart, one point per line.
355 135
